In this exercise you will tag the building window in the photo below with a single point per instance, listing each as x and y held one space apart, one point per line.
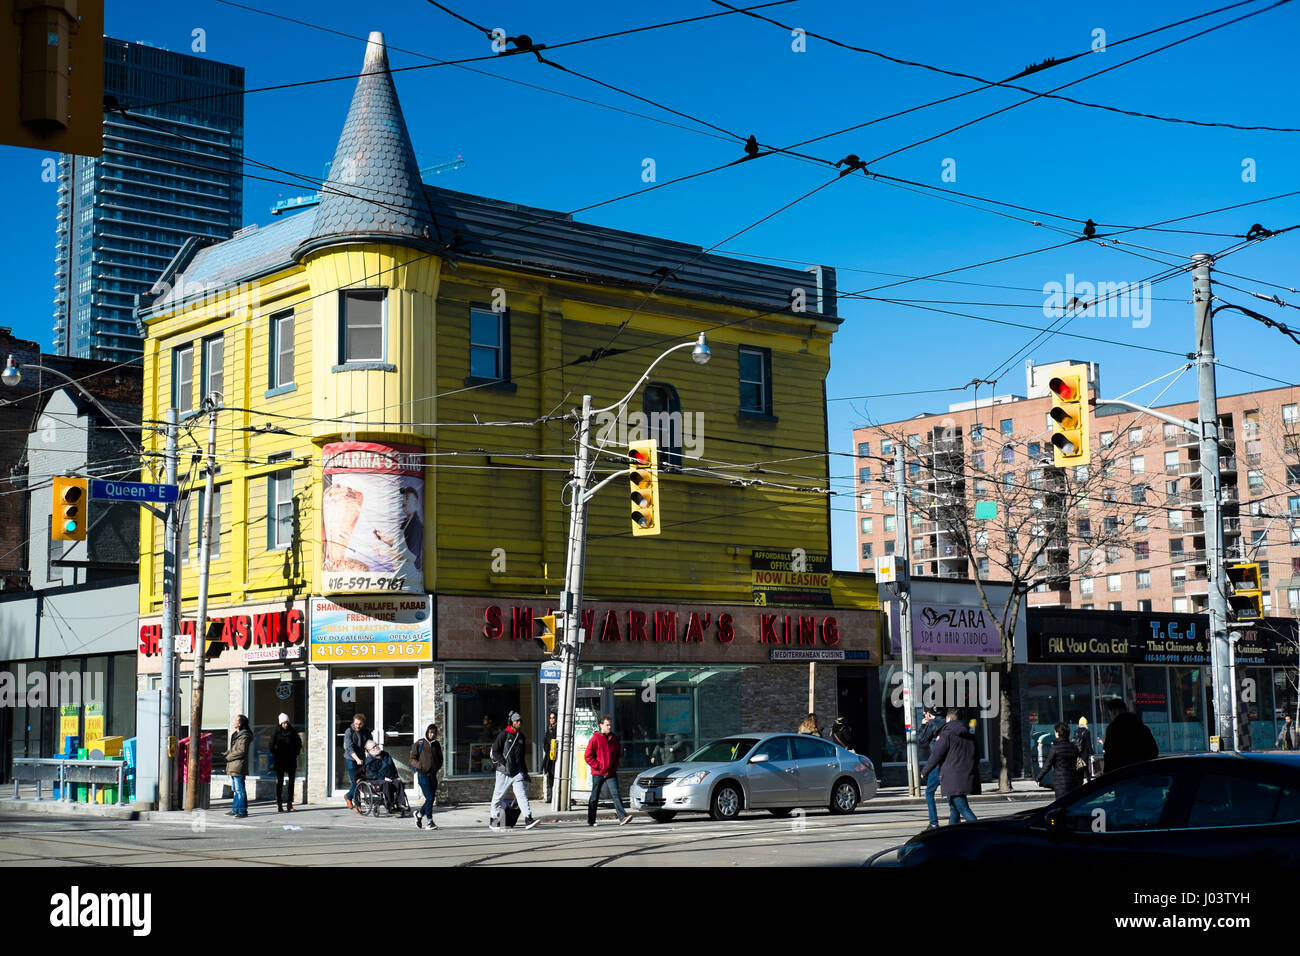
1135 436
888 497
1107 439
868 550
1180 605
1110 525
1293 598
865 500
977 460
1171 433
1293 474
889 523
362 314
889 547
1085 585
1139 494
1289 416
1080 474
1255 480
1178 578
755 380
1250 423
281 350
183 519
183 378
213 365
1137 465
1139 522
1008 454
1114 582
868 526
1259 539
977 433
489 345
1171 462
279 506
914 442
1035 451
1293 504
1144 580
1115 606
663 415
864 449
886 447
1004 427
864 475
1144 605
1142 551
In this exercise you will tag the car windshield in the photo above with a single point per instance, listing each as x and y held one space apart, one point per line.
723 751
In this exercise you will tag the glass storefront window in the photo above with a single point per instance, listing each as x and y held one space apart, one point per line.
1152 692
1076 694
1186 711
1042 710
480 702
1108 679
217 717
662 715
1259 711
270 698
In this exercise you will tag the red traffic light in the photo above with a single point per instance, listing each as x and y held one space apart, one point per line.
1066 388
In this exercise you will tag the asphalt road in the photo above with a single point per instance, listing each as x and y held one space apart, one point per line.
330 838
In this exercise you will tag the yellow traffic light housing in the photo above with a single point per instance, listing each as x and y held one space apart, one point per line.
1071 416
1245 593
213 645
643 477
68 521
545 633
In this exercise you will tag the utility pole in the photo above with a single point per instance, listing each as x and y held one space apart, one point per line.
171 596
201 621
1208 415
902 550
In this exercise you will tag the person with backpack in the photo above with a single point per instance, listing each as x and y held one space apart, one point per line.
1083 743
1287 739
285 746
842 733
1063 763
508 755
426 758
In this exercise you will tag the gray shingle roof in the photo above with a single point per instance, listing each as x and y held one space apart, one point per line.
374 191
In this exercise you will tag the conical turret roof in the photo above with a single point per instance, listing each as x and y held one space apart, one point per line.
374 191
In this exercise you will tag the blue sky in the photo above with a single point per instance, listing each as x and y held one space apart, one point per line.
538 148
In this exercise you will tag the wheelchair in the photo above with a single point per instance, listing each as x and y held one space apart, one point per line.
370 798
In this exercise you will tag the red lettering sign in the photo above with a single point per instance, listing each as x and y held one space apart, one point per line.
807 630
521 623
666 626
767 629
830 631
726 631
492 627
636 626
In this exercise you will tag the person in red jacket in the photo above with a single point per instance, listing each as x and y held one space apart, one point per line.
603 754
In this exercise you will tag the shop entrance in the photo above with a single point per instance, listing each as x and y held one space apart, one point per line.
391 710
855 705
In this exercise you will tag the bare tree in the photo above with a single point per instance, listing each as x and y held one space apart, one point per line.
1038 527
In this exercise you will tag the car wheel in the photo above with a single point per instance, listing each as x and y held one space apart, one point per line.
662 816
726 802
781 811
844 796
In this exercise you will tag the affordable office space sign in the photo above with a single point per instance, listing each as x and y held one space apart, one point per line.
371 630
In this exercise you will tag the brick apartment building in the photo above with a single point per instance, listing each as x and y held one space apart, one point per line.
1152 486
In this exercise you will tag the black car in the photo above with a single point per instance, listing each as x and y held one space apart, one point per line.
1208 808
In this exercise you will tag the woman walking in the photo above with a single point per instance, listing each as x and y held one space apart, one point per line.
285 747
237 766
426 758
1083 743
1063 763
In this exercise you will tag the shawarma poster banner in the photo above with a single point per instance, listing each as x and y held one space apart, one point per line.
372 519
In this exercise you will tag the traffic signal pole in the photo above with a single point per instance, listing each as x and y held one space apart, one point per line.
571 606
171 600
1222 688
902 547
201 620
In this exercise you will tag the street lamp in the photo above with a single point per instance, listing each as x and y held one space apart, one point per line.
571 598
12 376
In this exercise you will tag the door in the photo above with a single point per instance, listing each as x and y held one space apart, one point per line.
391 711
773 782
818 763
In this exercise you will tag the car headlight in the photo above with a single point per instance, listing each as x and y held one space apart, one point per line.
691 780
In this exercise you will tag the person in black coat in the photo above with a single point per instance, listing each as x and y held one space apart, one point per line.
1063 763
285 746
930 727
1128 740
955 754
1083 744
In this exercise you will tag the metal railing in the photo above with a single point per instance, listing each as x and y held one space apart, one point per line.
97 773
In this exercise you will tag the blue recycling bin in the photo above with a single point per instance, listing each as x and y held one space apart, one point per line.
58 792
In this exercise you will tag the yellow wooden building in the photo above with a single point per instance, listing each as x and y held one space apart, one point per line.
453 336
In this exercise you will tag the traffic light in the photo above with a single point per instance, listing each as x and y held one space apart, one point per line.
69 515
545 636
1070 413
1245 596
643 475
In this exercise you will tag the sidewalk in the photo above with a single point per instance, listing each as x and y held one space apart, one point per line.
462 816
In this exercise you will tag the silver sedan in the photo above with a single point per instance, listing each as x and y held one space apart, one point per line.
773 772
